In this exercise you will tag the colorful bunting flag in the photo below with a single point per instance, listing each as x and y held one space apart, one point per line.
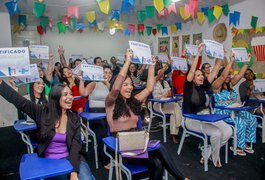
173 28
172 8
140 28
234 18
141 15
50 22
179 26
22 20
90 16
72 24
115 15
112 24
148 30
127 32
104 6
65 20
12 7
131 28
44 21
217 12
159 5
150 11
167 3
182 13
211 17
226 9
162 13
126 6
205 11
120 26
16 28
158 26
154 32
39 9
187 10
254 21
164 30
80 27
259 29
40 30
61 27
93 24
73 10
200 17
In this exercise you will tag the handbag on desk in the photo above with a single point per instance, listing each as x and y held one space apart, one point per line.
127 143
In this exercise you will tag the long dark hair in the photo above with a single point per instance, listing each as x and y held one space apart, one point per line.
228 87
54 111
42 99
121 106
135 72
64 79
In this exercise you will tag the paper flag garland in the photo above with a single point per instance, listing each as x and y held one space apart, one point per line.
173 28
101 25
115 15
140 28
93 24
73 10
172 8
80 27
179 26
234 18
127 32
39 9
205 10
148 30
217 12
141 15
61 27
40 30
12 7
211 17
126 6
200 17
254 21
50 22
182 13
104 6
120 26
167 3
16 28
90 16
162 13
164 30
158 26
226 9
65 20
131 28
154 32
22 20
159 5
44 20
150 11
72 24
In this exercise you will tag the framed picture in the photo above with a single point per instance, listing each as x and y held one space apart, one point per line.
175 46
197 37
185 40
164 45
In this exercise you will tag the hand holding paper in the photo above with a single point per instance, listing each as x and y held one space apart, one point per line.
129 55
61 50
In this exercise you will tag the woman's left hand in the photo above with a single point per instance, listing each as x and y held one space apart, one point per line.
154 60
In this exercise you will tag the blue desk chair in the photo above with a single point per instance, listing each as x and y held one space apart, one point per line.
210 118
34 167
159 113
128 169
21 126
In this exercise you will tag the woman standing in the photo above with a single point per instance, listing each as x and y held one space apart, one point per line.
123 109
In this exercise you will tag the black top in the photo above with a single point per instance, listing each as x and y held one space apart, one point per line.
194 97
39 114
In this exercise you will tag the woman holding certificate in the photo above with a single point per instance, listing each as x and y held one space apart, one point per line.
225 95
123 109
194 99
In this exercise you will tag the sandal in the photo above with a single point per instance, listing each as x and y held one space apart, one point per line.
239 152
202 160
249 150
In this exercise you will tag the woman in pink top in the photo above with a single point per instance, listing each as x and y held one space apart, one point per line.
122 111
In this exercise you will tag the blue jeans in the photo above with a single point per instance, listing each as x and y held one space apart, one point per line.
84 173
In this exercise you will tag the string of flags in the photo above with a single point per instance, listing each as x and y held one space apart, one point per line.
73 22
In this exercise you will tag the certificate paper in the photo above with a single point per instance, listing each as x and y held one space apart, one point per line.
162 57
39 52
192 50
241 54
141 52
179 64
259 85
14 61
33 77
214 49
92 72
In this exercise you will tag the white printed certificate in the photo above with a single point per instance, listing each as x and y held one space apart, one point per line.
14 61
33 77
214 49
92 72
192 50
162 57
259 85
39 52
141 53
179 64
241 54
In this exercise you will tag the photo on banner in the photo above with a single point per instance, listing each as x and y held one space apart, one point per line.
141 53
92 72
164 45
179 64
14 61
185 40
213 49
175 46
197 38
39 52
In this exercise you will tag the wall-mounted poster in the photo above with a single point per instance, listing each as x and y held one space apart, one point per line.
164 45
185 40
175 46
197 37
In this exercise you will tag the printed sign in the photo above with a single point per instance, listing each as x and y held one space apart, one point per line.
14 61
92 72
39 52
192 50
141 52
259 85
241 54
214 49
77 69
33 77
179 64
162 57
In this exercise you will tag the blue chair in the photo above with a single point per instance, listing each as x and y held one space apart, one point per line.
128 169
160 113
34 167
210 118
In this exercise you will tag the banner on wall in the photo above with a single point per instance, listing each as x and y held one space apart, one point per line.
92 72
163 45
14 61
175 46
39 52
213 49
141 52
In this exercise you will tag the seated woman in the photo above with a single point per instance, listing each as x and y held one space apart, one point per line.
97 92
246 91
123 109
163 90
135 74
58 127
194 98
225 95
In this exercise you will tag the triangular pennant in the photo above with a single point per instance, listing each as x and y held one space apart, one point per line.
150 11
200 17
73 10
172 8
154 32
164 30
226 9
217 12
158 26
162 13
141 15
211 17
254 21
39 9
173 28
131 28
90 16
104 6
148 30
44 20
159 5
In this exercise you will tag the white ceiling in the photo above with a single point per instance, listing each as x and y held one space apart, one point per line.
58 8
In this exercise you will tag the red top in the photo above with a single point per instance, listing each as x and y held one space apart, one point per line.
178 82
77 103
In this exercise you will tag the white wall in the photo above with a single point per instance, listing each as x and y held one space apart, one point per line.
5 34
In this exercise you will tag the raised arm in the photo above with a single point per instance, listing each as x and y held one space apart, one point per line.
150 82
241 73
140 71
220 80
62 58
115 90
214 72
163 70
191 74
50 68
86 91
